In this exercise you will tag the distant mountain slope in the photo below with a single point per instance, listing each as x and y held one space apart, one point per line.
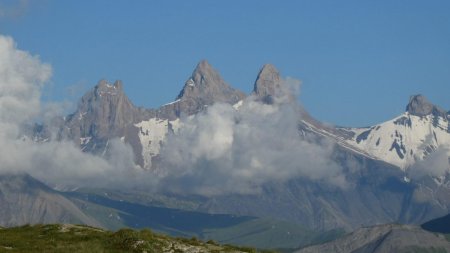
25 200
385 239
378 195
270 234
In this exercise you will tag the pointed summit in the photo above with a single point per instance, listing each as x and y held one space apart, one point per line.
269 85
206 87
204 82
102 111
204 69
268 82
103 87
418 105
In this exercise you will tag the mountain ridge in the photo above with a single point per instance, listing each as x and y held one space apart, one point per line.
382 192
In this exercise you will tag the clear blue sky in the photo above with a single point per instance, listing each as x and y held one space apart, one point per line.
359 61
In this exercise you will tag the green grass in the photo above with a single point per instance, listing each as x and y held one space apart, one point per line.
78 238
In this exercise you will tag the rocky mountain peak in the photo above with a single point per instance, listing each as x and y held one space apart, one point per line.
269 85
419 105
204 69
204 82
205 87
103 87
102 111
268 82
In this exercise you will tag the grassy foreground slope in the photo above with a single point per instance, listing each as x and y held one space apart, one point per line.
78 238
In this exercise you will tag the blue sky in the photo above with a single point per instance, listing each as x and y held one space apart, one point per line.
359 61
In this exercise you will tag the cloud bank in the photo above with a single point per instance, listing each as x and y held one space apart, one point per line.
229 150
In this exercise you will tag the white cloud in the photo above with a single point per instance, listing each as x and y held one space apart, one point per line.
224 150
435 164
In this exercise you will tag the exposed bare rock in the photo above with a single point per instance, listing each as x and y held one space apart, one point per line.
205 87
418 105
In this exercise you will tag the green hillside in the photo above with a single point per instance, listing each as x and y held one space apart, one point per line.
78 238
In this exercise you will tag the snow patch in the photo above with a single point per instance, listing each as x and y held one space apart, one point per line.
238 105
152 134
190 83
176 101
85 140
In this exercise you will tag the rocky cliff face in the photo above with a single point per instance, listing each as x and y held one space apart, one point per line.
203 88
268 84
419 106
103 112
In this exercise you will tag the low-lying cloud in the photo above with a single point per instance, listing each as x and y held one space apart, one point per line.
436 164
228 150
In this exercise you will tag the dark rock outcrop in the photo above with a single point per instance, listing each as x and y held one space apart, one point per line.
418 105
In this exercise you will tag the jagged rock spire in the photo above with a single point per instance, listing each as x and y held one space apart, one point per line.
268 83
206 87
102 111
418 105
206 83
269 86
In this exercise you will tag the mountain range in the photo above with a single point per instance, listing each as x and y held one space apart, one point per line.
395 171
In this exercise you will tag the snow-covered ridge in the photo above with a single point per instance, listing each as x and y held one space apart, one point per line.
340 140
403 140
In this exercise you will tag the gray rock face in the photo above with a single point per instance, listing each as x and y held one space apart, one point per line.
204 87
24 200
268 84
418 105
104 113
385 239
